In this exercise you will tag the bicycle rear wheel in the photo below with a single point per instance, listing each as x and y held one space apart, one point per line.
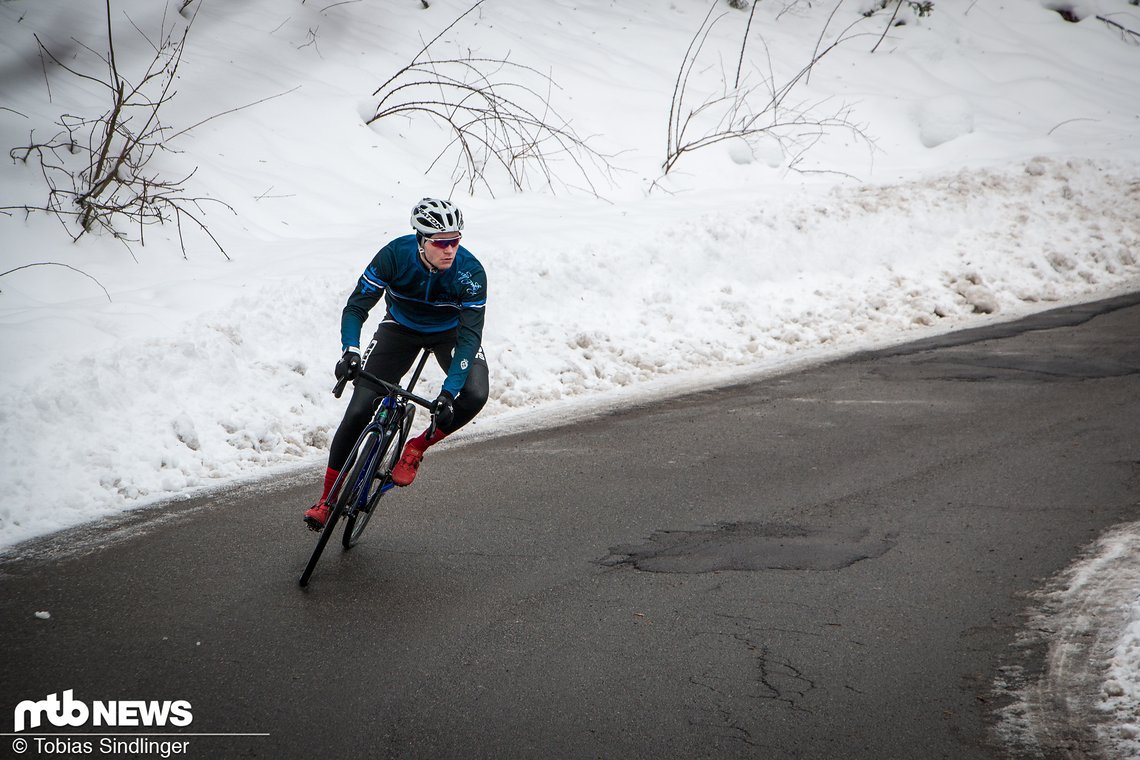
393 444
345 499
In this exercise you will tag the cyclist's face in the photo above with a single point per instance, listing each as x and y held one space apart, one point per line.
441 257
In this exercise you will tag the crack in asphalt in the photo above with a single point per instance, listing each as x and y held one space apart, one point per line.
781 678
751 546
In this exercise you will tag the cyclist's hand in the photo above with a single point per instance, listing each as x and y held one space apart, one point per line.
348 365
443 410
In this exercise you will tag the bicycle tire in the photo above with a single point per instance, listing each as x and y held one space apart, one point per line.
386 460
345 497
320 547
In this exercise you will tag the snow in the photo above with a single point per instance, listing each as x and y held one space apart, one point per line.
986 167
1121 692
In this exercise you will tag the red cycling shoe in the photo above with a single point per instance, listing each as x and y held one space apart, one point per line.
405 470
317 515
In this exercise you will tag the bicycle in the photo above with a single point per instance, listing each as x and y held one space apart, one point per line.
367 473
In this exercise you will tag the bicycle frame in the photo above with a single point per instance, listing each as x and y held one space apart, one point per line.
391 421
386 421
386 424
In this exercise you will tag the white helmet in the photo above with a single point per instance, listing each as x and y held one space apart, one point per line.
432 216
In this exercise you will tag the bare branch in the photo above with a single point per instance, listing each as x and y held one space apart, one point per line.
423 50
890 23
233 110
496 121
1125 32
743 45
730 114
102 181
65 266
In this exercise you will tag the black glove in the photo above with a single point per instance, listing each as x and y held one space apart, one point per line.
348 365
443 410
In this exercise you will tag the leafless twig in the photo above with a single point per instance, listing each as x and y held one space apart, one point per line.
97 169
743 45
738 113
920 7
1125 32
57 264
494 118
1068 121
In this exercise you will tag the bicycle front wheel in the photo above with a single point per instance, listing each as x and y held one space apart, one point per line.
346 497
393 444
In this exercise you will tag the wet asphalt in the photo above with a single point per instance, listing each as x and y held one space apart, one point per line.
832 563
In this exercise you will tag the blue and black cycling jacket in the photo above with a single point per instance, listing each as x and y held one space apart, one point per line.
423 300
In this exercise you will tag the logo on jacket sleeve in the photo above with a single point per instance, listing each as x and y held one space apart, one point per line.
467 281
370 281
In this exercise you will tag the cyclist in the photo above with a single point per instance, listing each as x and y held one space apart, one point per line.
435 292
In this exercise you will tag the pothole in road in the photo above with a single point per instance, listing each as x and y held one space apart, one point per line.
750 546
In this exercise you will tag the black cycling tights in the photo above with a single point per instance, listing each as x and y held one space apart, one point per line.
393 350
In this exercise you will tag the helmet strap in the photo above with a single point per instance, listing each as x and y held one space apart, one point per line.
423 259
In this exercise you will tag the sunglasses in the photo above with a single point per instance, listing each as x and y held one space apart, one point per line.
445 243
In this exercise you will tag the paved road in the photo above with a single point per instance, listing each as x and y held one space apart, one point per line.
827 564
